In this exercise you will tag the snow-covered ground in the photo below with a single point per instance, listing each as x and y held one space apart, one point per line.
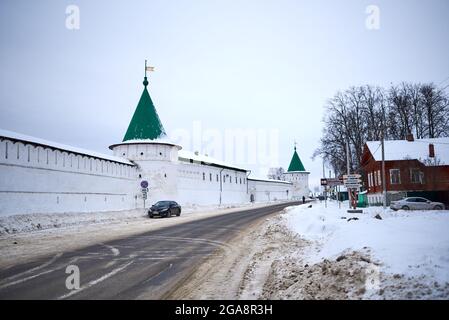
14 224
409 246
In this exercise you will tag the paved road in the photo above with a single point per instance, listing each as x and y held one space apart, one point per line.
145 266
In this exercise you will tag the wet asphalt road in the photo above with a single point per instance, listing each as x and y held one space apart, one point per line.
145 266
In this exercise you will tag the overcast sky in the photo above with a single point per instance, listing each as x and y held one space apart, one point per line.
258 65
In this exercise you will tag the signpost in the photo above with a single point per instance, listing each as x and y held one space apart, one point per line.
144 190
353 183
333 182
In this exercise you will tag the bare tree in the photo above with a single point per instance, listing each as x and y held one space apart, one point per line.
276 173
358 114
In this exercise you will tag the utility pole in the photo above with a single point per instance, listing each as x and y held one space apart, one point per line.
348 172
324 187
384 183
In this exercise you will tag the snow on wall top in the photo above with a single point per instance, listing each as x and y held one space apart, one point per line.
188 155
54 145
161 140
418 149
268 180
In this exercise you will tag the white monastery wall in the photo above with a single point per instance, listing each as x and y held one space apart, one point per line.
47 179
206 184
38 179
263 190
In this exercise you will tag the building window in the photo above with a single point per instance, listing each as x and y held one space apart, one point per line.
395 176
379 179
210 176
375 179
217 177
416 176
240 180
369 180
204 176
235 180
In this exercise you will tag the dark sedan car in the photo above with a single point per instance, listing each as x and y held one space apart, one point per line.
164 209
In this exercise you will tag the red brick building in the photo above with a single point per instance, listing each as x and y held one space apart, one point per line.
412 167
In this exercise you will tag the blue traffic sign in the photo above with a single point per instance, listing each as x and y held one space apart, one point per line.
144 184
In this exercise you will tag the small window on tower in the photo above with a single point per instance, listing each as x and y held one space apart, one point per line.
141 153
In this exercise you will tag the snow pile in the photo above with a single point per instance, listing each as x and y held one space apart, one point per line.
411 243
40 221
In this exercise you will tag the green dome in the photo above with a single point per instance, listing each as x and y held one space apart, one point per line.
296 164
145 123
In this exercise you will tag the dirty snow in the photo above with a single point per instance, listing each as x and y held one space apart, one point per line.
410 247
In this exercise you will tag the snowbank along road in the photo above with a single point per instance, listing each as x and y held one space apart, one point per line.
150 265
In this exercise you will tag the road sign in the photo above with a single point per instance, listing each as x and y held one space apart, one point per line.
144 193
353 186
144 184
352 181
352 176
324 182
332 182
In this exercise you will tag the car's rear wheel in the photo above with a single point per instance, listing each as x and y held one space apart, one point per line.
438 208
405 208
151 216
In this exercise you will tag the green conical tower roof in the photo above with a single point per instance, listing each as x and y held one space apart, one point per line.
296 164
145 123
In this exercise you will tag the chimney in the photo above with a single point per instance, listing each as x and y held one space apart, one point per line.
431 150
409 137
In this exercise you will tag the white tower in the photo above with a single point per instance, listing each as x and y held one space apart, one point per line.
146 144
298 175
